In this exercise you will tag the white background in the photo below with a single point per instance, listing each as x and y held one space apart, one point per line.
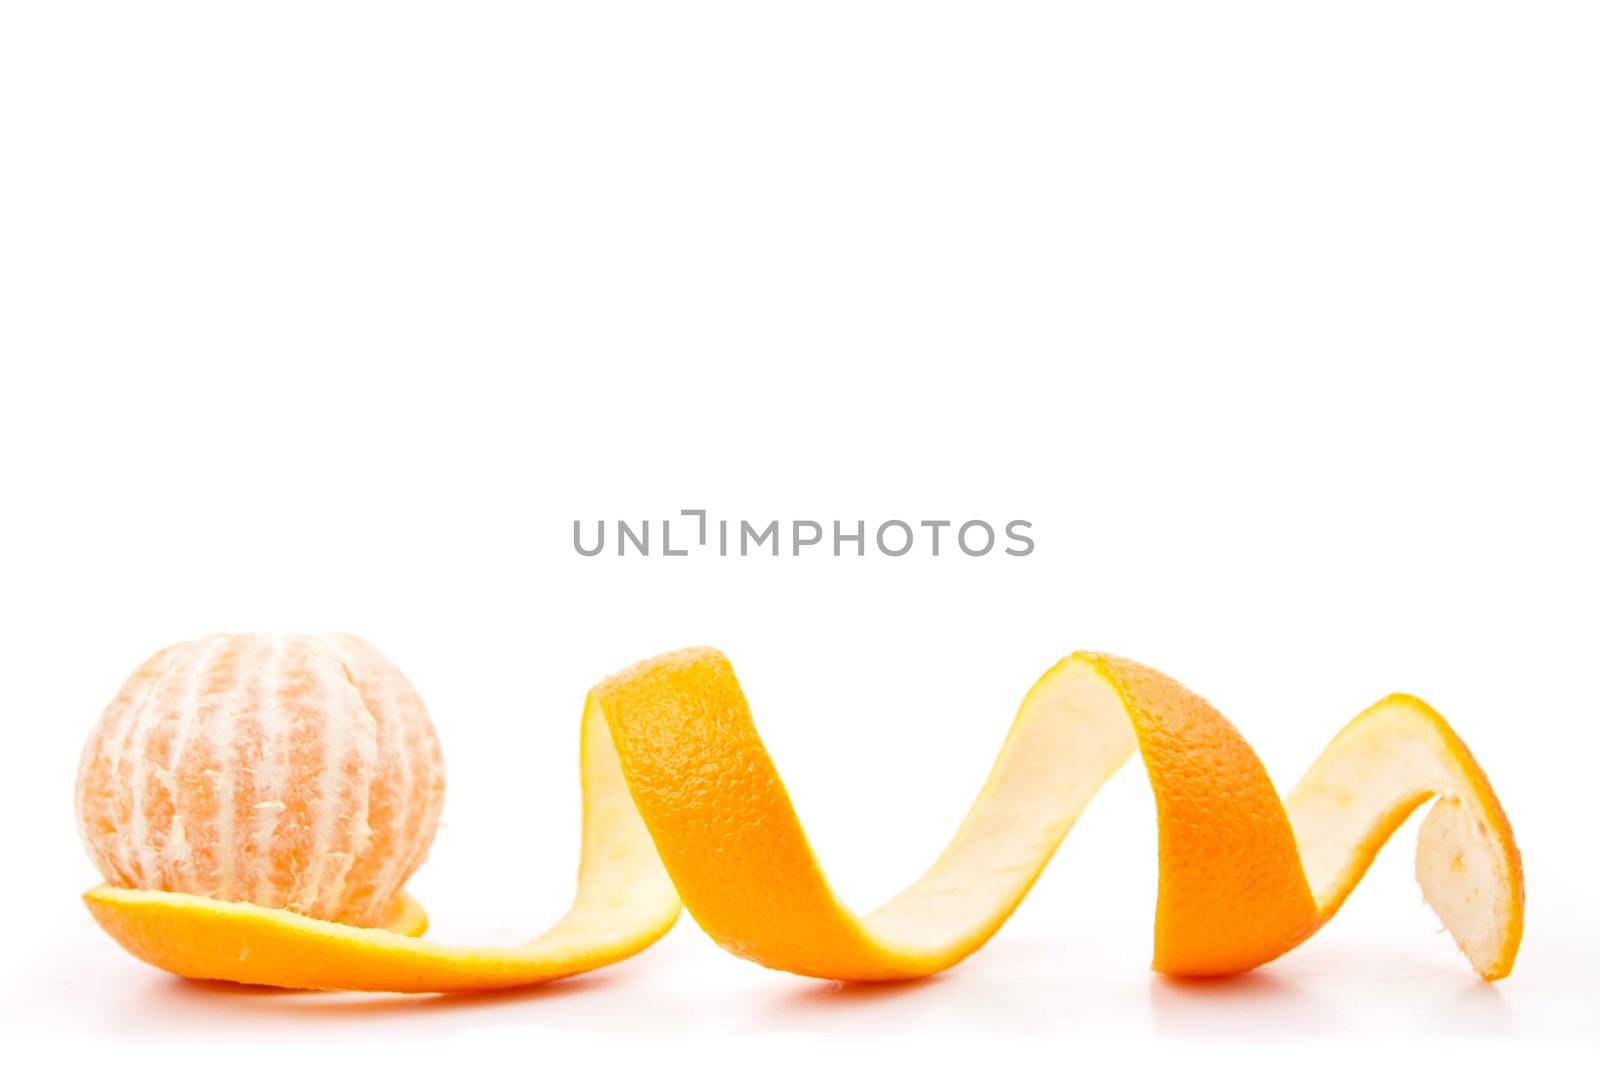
1277 321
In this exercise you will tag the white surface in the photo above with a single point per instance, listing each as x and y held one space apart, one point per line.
1278 324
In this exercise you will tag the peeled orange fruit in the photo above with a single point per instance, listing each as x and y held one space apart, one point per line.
682 802
291 772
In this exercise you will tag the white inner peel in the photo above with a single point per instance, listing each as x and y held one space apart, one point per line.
1374 774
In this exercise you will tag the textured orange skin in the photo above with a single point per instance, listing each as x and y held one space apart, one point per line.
197 937
1232 895
675 735
722 820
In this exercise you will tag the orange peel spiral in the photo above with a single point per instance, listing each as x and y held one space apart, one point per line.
683 803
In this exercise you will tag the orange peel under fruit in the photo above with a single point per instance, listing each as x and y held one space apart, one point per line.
682 802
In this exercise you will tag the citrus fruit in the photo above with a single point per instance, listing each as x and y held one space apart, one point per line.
682 801
291 772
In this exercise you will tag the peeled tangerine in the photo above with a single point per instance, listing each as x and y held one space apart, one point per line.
291 772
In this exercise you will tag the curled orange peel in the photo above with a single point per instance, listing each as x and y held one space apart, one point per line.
682 802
